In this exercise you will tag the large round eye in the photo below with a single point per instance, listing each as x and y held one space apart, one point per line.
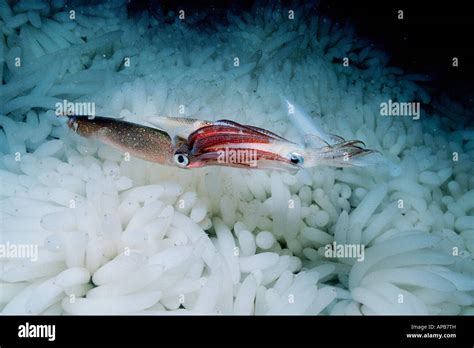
181 159
296 158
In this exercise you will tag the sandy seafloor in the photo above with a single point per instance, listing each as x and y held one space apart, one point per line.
117 236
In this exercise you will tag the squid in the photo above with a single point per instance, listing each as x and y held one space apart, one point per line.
192 143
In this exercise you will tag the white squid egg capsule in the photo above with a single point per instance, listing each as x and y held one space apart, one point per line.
199 211
53 243
321 218
265 240
247 242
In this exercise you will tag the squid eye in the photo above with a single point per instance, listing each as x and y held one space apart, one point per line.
296 158
181 159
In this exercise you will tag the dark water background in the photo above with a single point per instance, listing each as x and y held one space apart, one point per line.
425 41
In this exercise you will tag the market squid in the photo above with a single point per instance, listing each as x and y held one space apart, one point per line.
191 143
229 143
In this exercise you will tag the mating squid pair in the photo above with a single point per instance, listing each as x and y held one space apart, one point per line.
191 143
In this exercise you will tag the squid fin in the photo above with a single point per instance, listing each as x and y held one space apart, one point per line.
254 129
177 127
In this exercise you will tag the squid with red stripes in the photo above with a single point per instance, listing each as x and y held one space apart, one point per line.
191 143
